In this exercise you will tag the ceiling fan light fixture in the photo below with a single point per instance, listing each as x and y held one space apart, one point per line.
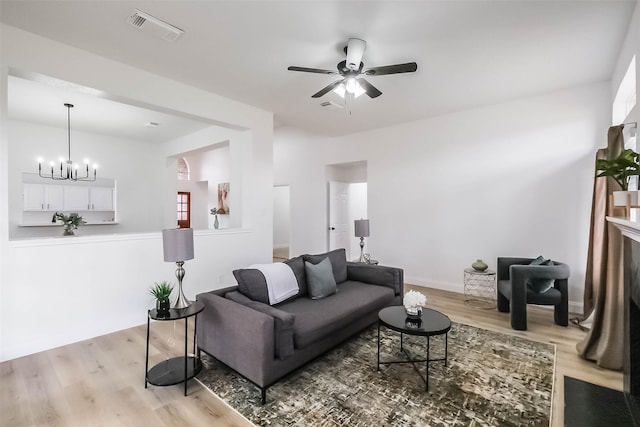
342 89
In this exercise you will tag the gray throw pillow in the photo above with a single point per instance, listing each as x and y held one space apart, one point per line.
320 281
338 259
540 286
252 284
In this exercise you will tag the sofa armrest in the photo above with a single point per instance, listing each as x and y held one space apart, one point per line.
237 335
392 277
283 323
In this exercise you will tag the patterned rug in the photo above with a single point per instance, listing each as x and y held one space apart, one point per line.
492 379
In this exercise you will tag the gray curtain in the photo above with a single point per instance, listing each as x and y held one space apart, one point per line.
603 288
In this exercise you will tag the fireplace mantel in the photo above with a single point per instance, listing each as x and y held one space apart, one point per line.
628 227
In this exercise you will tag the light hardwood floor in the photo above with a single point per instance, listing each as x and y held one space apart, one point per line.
101 381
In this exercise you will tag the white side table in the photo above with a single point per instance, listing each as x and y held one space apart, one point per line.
480 288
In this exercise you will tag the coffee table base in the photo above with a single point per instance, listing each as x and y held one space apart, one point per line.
413 362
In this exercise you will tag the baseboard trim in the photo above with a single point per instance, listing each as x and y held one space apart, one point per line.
575 307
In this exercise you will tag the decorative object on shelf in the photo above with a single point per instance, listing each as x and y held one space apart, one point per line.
621 169
413 302
177 244
367 258
70 222
361 231
479 265
162 292
223 198
70 172
215 212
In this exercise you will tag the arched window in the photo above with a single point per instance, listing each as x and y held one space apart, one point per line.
183 169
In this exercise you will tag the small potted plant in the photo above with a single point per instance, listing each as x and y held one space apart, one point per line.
621 169
162 291
70 222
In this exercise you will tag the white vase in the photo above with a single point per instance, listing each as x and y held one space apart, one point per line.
620 198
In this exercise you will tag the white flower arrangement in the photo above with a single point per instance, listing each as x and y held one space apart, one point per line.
414 299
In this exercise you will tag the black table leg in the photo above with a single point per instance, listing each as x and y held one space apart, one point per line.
186 359
426 383
146 363
195 330
446 348
378 345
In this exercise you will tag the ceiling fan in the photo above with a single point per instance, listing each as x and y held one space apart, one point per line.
350 70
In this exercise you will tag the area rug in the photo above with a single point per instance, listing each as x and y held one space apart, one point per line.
492 379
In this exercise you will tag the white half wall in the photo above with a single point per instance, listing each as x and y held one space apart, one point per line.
512 179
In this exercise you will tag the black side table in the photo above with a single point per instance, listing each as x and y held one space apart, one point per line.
178 369
431 323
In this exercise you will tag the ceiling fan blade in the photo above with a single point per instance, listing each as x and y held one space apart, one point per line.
409 67
327 89
370 89
311 70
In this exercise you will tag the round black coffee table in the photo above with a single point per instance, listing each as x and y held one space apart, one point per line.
431 323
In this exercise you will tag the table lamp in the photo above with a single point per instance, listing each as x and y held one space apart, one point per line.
177 244
362 231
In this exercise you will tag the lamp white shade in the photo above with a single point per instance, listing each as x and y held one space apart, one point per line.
362 227
177 244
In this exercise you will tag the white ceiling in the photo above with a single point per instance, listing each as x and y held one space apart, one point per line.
43 102
469 53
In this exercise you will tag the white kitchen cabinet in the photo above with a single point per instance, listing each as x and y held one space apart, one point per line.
40 197
101 198
76 198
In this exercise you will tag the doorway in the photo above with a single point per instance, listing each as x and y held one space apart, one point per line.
184 209
347 201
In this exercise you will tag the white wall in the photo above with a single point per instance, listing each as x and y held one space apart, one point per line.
59 290
513 179
630 47
281 217
138 197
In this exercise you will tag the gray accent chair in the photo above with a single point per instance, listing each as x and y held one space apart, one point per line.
514 293
264 343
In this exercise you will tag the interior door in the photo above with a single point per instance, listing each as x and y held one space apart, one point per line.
184 209
339 216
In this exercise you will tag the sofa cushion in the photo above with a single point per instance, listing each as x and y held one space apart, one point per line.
338 259
251 283
540 286
297 265
315 319
320 279
551 297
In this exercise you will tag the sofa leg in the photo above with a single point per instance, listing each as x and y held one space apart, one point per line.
263 394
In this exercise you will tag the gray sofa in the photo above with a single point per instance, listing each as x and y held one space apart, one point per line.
264 343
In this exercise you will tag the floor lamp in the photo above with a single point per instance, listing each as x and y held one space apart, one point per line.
362 231
177 244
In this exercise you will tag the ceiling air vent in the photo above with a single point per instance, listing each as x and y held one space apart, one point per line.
330 104
154 26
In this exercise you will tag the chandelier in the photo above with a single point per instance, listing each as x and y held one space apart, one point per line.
68 170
